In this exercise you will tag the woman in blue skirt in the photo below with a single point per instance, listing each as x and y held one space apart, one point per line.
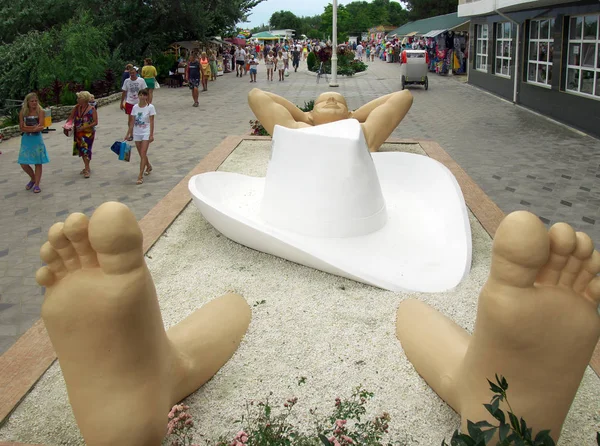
33 150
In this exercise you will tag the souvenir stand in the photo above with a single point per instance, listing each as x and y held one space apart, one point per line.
447 51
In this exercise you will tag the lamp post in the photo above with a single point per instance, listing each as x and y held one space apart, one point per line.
334 59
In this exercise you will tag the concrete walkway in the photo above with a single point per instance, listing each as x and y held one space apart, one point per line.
521 160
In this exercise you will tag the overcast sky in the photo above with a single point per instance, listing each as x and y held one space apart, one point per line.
262 13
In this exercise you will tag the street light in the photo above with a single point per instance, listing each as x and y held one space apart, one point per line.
334 59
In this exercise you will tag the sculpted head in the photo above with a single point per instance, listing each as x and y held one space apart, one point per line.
329 107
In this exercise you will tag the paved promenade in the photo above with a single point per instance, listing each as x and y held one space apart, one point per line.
521 160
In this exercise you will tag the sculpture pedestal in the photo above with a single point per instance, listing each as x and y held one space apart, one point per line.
335 332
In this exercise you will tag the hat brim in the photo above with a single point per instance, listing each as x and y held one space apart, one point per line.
424 246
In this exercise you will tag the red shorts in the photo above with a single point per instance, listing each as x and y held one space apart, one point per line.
128 108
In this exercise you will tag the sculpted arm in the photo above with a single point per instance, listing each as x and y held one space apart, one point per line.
271 109
362 113
385 117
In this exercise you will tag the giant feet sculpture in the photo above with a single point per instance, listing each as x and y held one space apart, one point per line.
537 324
123 371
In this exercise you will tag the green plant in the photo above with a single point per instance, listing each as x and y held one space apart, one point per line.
311 61
358 66
265 424
67 97
514 432
308 106
257 128
11 118
163 63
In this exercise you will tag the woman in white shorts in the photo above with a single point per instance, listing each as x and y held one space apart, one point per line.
141 127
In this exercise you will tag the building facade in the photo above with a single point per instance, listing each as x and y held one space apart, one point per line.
540 54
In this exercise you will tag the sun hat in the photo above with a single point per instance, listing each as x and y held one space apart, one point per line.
394 220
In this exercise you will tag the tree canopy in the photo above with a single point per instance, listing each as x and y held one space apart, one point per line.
68 44
136 27
353 19
422 9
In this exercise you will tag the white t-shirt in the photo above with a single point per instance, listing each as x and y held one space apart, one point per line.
240 55
141 119
359 48
132 88
285 55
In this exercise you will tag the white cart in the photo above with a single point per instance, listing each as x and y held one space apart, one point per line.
413 69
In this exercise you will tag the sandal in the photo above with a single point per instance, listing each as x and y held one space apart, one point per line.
30 185
36 190
86 173
148 171
139 181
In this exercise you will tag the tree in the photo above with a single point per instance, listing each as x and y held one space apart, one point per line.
422 9
343 21
398 16
285 20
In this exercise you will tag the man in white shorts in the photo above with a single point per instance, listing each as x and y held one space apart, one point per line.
240 61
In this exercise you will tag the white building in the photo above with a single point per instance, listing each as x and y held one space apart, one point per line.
542 54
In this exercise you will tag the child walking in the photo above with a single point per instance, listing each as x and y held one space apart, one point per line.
269 63
253 63
141 127
33 150
279 62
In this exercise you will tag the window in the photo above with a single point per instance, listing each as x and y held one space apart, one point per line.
481 58
541 49
583 58
503 48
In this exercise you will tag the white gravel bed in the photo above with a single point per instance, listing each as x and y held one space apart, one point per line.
334 332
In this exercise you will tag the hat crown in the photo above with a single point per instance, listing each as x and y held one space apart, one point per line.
321 181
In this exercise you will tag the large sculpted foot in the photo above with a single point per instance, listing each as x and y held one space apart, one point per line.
537 325
123 371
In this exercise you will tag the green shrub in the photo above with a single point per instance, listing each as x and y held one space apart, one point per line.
358 66
19 66
68 97
308 106
11 118
79 52
311 61
163 63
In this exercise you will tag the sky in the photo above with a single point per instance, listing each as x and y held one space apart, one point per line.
263 11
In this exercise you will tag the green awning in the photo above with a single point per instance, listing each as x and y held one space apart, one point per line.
425 26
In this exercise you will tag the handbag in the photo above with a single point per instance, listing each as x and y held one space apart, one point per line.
122 150
286 73
156 85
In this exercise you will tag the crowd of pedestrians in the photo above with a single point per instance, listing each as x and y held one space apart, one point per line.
137 95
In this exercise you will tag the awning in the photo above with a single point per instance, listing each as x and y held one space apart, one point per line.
434 33
463 27
411 34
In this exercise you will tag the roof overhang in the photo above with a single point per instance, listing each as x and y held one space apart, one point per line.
434 33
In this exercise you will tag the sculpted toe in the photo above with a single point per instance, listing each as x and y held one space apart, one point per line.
562 244
583 251
592 291
590 268
76 230
55 263
113 229
521 247
76 227
45 277
62 245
